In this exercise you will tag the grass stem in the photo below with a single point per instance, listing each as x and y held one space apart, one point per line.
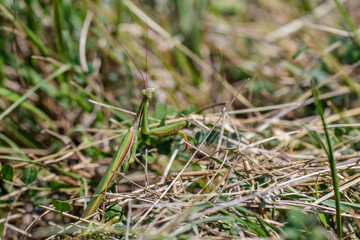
329 151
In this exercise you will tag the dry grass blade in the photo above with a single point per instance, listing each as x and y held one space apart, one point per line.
252 161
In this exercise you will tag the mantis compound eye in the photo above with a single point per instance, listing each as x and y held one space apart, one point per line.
148 92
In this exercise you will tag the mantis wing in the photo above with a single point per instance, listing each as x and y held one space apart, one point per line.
123 154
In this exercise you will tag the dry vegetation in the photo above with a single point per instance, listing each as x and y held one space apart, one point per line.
254 169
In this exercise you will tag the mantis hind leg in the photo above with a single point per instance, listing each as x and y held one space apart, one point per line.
186 142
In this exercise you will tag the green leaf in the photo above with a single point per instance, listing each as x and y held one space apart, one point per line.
150 158
200 136
29 175
55 184
195 229
298 52
160 111
196 167
353 133
114 210
172 111
61 206
213 137
225 226
190 109
339 132
7 172
322 218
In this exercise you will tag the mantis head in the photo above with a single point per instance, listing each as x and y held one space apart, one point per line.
148 92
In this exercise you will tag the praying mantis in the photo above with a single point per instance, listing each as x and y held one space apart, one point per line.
128 145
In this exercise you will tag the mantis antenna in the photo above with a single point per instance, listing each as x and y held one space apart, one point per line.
147 45
137 67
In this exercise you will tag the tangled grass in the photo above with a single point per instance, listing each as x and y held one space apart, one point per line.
238 72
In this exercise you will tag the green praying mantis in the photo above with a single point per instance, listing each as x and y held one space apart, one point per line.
128 145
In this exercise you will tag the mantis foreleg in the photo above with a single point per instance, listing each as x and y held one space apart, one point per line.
160 131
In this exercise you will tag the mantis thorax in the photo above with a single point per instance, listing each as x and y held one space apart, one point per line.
148 92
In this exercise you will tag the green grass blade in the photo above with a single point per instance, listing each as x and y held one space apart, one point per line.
317 138
58 34
12 96
58 72
32 36
348 20
332 162
54 169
